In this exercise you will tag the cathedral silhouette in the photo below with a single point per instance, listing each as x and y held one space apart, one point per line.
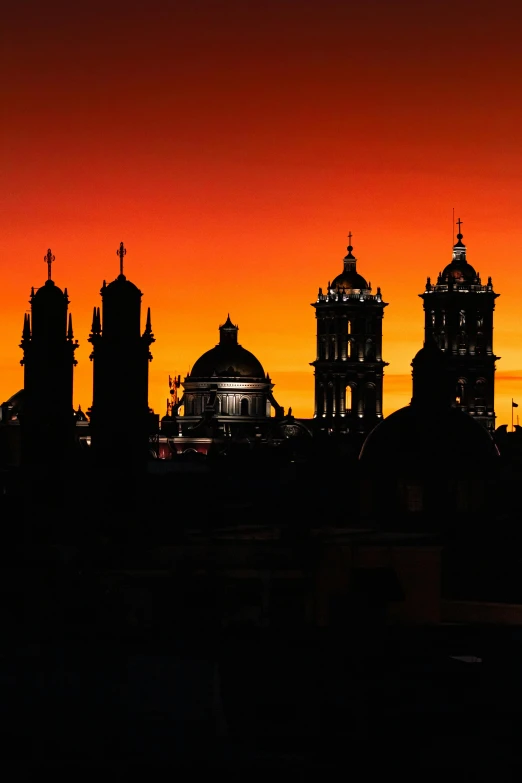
230 572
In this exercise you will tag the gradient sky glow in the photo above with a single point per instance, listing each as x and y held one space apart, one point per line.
233 145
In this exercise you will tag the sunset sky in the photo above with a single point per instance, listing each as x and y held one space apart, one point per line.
232 145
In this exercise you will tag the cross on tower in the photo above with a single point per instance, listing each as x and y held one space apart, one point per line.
49 258
349 237
459 223
121 252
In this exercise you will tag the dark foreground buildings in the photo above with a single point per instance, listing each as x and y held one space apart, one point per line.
241 589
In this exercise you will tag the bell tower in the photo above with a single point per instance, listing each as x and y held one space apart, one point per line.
458 316
120 416
47 417
349 367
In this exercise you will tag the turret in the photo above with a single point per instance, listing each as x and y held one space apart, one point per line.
48 345
120 417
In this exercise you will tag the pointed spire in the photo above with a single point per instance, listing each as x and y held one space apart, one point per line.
228 331
49 258
26 332
349 259
93 327
459 248
350 246
148 327
70 334
121 253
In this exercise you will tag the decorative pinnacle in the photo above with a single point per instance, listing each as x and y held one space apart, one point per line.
49 258
121 252
459 223
350 247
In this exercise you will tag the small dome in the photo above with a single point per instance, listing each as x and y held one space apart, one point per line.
460 272
49 292
120 286
228 360
349 281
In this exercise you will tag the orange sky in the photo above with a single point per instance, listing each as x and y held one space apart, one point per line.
232 146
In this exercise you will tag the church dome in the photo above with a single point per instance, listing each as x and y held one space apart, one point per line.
49 292
121 287
228 358
459 271
227 361
349 280
445 442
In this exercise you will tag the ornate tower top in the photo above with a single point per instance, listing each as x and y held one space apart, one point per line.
459 248
49 258
121 253
349 260
228 332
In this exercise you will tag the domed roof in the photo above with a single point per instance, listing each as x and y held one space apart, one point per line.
444 441
120 286
430 354
349 280
228 358
459 271
49 292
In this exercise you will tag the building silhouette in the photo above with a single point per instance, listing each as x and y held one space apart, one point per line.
46 415
429 466
348 367
458 315
120 418
228 380
227 398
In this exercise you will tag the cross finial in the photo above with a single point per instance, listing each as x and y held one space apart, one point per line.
49 258
459 223
349 237
121 252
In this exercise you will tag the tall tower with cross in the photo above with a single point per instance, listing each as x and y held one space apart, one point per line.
120 416
458 317
47 420
348 367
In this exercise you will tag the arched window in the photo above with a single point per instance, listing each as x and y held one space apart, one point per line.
349 325
329 399
461 397
480 343
349 349
244 407
480 395
370 396
322 348
369 349
348 394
